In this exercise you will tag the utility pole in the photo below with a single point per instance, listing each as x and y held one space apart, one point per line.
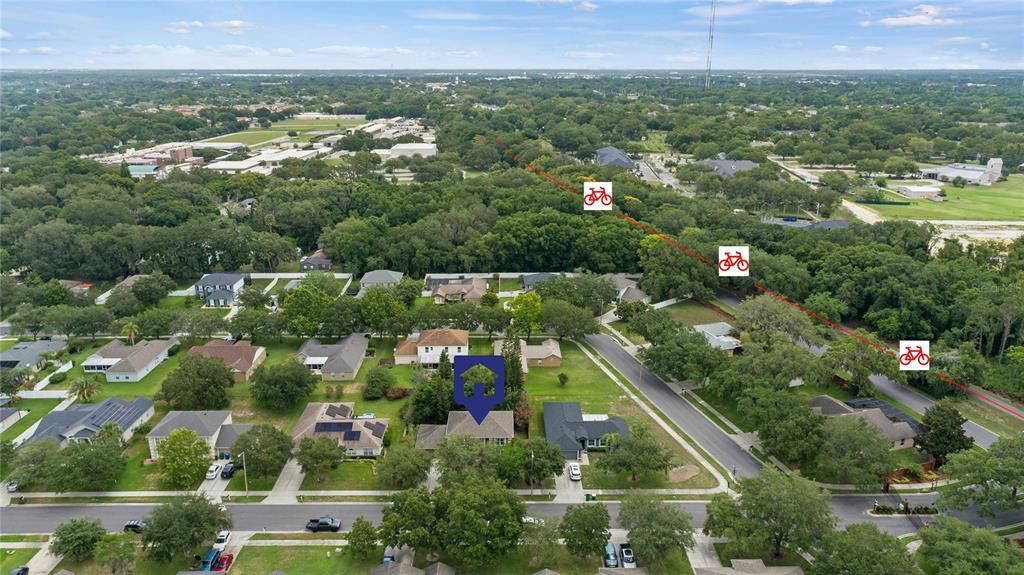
711 44
245 473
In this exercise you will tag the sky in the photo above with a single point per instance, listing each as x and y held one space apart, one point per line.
526 34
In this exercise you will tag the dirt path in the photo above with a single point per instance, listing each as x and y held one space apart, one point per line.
862 213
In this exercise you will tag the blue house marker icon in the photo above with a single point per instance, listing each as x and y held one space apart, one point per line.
479 404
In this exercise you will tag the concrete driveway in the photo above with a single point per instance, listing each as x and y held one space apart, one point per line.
566 490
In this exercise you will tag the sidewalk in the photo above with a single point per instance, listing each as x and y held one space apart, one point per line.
288 483
43 562
703 553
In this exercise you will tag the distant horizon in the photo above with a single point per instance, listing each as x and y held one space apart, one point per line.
714 71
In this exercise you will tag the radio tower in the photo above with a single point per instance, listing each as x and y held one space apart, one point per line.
711 44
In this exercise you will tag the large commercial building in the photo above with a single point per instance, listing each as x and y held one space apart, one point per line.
971 173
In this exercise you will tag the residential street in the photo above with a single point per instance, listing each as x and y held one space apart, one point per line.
691 420
919 403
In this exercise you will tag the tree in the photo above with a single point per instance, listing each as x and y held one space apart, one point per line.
410 520
197 324
444 366
130 330
305 308
478 519
403 467
198 383
655 527
116 551
92 320
684 354
853 452
282 385
785 424
769 320
524 311
317 456
638 452
378 381
628 310
7 453
254 298
183 458
362 539
407 290
529 462
432 401
563 379
342 318
266 450
34 463
30 319
541 538
837 181
943 431
182 524
98 464
122 303
511 352
76 538
11 382
152 288
989 479
493 318
584 528
858 359
460 457
567 320
379 308
85 387
773 511
861 549
960 549
156 322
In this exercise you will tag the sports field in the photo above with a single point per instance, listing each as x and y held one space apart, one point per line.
249 137
305 125
1003 201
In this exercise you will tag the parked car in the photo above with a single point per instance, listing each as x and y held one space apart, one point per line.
134 526
222 540
531 520
23 570
13 487
229 471
209 560
575 472
212 472
611 558
628 560
324 523
224 563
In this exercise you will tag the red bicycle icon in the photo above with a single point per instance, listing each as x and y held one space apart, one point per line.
733 259
597 194
913 353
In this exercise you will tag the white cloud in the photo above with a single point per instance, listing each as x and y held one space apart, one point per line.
39 36
40 51
4 50
683 57
445 15
960 40
795 2
920 15
722 11
283 51
590 55
151 50
183 27
864 23
587 6
984 45
4 34
872 48
357 51
463 53
240 51
840 48
232 27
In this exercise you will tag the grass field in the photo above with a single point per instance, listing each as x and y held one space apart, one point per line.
250 137
1001 201
690 312
36 408
654 144
13 558
354 474
300 125
7 344
142 565
729 551
305 560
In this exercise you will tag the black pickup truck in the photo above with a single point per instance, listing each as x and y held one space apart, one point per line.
323 524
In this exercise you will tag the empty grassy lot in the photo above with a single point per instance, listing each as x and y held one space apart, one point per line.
142 565
1001 201
301 125
305 560
690 312
654 144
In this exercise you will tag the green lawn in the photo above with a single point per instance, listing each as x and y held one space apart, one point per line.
261 284
729 551
654 144
509 284
136 476
623 328
12 558
237 482
304 560
6 344
36 408
302 125
1000 201
989 416
250 137
23 538
353 474
690 312
519 562
179 302
598 394
143 565
145 388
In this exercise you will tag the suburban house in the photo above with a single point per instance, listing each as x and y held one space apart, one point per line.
497 428
720 336
727 169
402 568
28 354
425 348
547 354
9 416
318 261
628 290
122 362
971 173
748 567
337 361
221 289
530 281
127 283
895 425
574 432
81 421
360 436
241 357
378 279
213 427
76 287
610 156
455 291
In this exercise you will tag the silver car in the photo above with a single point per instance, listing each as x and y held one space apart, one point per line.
213 471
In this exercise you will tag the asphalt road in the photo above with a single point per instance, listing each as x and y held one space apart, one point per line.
848 509
701 429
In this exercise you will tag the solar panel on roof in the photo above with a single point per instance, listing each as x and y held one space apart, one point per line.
377 429
351 436
338 411
333 426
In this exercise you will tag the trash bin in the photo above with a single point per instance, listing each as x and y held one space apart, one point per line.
586 497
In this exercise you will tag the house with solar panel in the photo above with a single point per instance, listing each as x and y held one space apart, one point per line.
360 435
82 421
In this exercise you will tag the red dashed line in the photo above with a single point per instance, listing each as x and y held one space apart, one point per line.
700 257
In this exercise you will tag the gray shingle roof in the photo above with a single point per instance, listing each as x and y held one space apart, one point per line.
729 168
565 427
220 279
84 420
377 277
530 281
139 355
204 423
26 353
342 357
611 156
229 434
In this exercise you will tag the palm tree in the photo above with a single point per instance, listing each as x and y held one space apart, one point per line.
84 388
129 329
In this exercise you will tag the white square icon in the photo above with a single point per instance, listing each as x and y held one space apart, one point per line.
597 196
733 261
914 356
